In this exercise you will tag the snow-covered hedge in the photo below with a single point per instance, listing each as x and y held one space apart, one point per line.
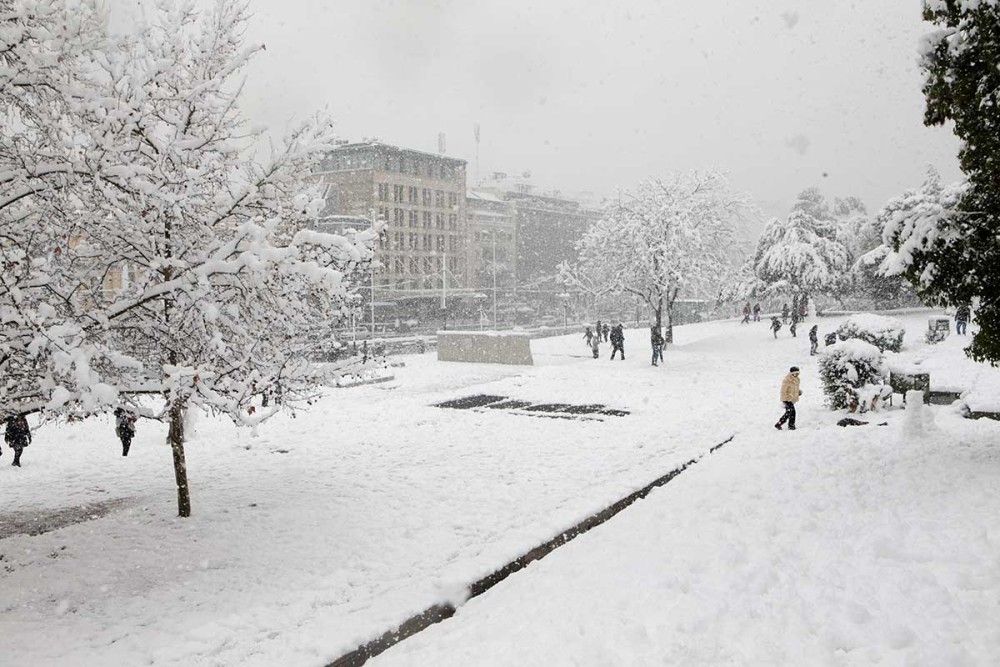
852 372
885 333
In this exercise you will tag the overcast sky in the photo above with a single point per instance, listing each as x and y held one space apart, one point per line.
592 95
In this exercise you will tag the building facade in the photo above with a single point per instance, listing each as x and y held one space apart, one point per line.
421 198
493 235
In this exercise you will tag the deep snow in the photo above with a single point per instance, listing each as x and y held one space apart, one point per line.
325 530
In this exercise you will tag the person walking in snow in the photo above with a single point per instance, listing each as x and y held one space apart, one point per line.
595 345
588 335
784 312
756 312
962 317
795 306
617 341
746 313
599 330
775 325
125 428
18 436
790 394
606 332
656 340
813 340
795 323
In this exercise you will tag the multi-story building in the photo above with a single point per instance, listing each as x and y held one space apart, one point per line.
547 226
493 236
421 198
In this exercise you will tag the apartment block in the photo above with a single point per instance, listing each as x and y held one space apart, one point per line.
421 198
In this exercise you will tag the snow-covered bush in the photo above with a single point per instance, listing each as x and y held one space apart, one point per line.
852 372
885 333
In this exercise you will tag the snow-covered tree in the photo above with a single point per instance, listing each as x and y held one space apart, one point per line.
190 274
669 237
800 254
949 249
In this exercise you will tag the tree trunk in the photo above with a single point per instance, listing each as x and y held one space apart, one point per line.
175 437
668 334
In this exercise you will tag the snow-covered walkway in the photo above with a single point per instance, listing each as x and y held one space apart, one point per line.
327 529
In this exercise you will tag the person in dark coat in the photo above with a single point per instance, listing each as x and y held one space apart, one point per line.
599 330
18 436
125 428
784 312
617 341
606 331
795 322
775 325
962 317
795 306
588 335
756 312
656 340
746 313
813 340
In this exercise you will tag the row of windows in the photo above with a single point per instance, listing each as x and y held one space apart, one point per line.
418 167
425 242
419 265
417 196
398 217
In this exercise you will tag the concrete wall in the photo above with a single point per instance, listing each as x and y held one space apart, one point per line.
488 347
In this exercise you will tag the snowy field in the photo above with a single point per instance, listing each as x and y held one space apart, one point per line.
324 530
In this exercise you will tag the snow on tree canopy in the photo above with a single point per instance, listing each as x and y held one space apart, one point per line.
886 333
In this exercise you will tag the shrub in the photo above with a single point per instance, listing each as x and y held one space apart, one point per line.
885 333
852 371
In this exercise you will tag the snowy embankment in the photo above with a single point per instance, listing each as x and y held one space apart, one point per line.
327 529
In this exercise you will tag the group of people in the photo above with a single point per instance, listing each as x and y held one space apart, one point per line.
616 336
17 433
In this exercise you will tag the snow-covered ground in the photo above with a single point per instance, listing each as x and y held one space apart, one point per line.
327 529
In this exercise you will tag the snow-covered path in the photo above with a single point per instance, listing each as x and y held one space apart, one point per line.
327 529
860 547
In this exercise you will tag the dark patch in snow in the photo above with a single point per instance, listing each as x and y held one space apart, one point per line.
527 408
477 401
37 522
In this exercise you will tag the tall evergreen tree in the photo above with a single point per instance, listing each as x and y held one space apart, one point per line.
955 257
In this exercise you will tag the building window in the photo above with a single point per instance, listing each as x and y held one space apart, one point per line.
383 214
452 199
427 265
440 243
452 263
398 265
413 242
453 221
427 242
414 196
414 219
397 241
398 216
439 199
397 193
414 266
427 219
453 244
439 220
427 197
383 192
